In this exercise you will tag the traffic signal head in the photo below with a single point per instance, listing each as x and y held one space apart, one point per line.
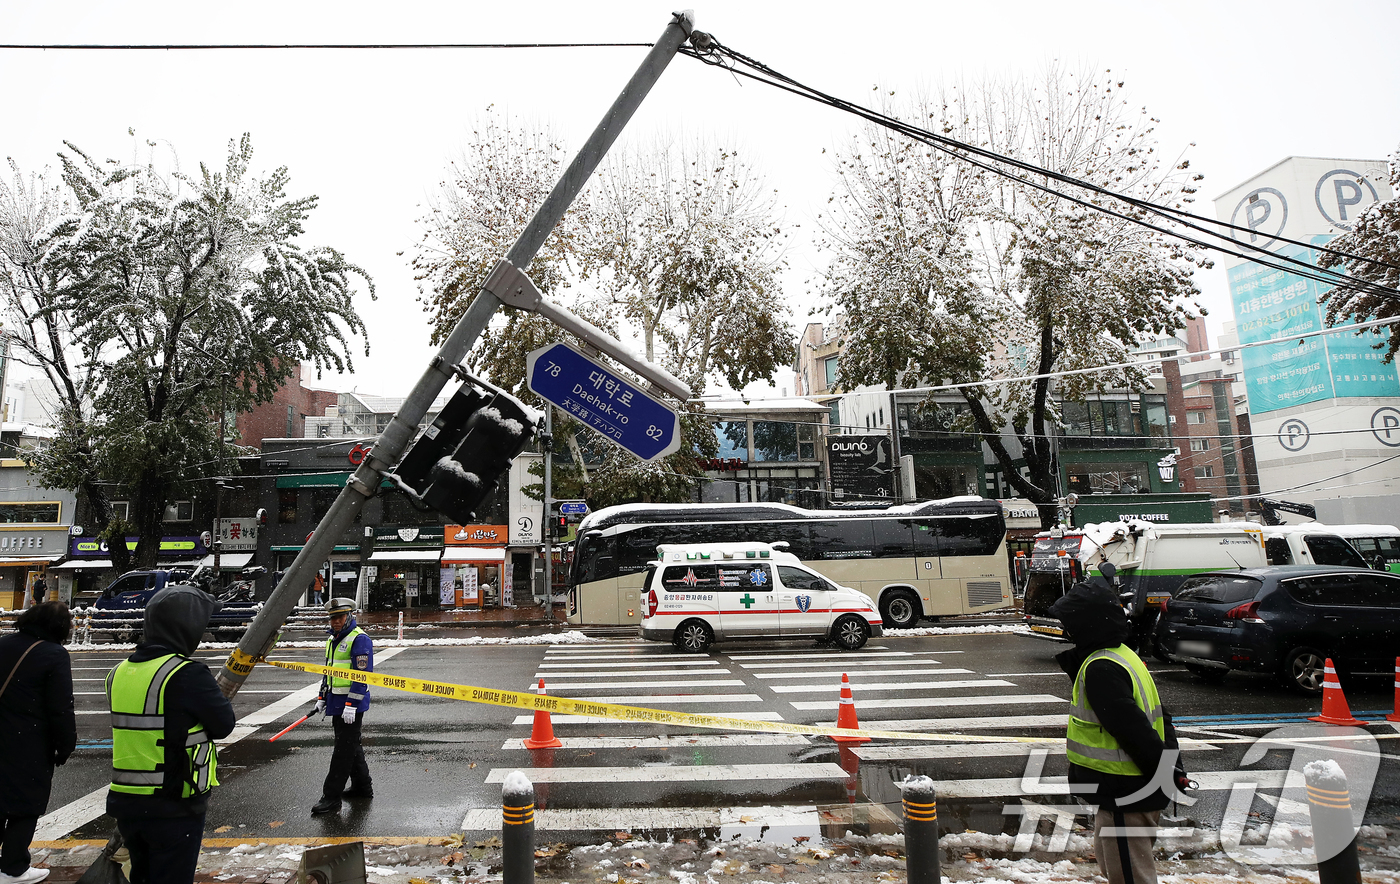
459 459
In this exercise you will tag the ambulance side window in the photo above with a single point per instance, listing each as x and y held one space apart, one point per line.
796 578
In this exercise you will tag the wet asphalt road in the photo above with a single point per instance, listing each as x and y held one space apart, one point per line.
434 762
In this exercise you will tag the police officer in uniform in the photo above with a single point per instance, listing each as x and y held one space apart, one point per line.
167 711
1121 746
346 702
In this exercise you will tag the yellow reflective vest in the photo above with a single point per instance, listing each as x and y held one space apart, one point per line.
136 698
1086 742
338 654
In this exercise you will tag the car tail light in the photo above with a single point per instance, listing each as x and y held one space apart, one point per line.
1163 604
1247 613
651 603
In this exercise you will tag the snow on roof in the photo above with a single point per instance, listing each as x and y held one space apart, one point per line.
763 406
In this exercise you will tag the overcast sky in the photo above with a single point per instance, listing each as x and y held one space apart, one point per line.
371 132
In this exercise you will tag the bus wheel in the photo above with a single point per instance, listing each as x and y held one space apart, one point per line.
850 633
901 609
694 636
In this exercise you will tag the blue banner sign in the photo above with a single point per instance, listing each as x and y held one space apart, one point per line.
573 508
601 398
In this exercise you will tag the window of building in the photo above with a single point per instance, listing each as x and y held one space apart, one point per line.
1171 419
806 442
1200 444
1108 478
829 364
1195 417
289 421
1205 472
287 506
835 414
121 509
775 441
42 513
179 511
733 437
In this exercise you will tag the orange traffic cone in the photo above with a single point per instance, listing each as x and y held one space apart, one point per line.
542 731
1334 702
846 713
1395 716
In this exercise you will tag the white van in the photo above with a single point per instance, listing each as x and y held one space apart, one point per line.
1309 544
697 594
1378 544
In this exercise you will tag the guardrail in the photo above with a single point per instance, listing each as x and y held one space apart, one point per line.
89 622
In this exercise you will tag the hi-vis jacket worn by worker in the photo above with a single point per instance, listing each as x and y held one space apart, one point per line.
350 648
166 712
1118 729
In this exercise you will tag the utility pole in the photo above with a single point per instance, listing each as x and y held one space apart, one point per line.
363 484
549 509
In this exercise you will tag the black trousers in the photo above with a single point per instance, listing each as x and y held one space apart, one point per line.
164 850
347 761
15 834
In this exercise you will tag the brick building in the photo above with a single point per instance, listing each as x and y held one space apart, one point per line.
285 416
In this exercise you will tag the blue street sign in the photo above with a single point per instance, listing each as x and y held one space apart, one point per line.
573 508
602 399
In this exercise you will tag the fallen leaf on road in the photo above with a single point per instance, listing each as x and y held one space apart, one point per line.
452 858
472 765
638 863
419 881
223 829
776 870
804 860
493 841
275 823
802 839
454 840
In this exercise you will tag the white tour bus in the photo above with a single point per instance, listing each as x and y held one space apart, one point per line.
934 559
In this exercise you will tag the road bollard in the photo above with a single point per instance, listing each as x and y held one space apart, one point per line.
517 830
920 831
1334 836
401 626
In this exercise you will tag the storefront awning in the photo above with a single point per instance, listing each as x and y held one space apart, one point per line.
228 561
405 555
83 565
29 560
462 554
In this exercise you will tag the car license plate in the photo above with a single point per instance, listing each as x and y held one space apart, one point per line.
1048 630
1195 649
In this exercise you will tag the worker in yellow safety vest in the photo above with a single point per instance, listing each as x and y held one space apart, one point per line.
167 711
1121 746
346 701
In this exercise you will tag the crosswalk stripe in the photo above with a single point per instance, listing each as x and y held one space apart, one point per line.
655 655
658 699
557 688
626 819
866 652
632 673
622 663
593 646
529 717
913 702
836 675
848 666
1007 787
895 686
674 741
983 750
992 722
688 774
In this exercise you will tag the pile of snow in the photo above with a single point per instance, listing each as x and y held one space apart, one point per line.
990 629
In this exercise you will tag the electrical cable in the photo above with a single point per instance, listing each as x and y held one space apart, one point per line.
202 46
952 147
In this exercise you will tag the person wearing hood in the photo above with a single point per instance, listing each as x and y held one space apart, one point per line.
167 711
346 701
1119 735
37 728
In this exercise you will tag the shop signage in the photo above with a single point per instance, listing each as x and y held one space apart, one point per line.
476 535
422 536
173 547
526 511
862 468
237 535
39 543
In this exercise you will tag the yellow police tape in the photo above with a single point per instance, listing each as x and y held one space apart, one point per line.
564 706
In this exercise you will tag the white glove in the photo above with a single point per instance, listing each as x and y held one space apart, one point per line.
320 705
347 714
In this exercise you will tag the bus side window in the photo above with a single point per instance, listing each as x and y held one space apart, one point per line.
967 536
925 537
794 534
893 538
842 539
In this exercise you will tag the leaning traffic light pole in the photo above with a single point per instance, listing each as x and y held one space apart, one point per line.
258 640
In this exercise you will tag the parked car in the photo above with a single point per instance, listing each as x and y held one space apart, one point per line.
1285 620
126 597
697 594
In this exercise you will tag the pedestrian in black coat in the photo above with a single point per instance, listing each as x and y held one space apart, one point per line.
37 729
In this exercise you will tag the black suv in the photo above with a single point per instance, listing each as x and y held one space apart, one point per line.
1284 620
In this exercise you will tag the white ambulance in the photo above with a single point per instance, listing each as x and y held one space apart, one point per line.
697 594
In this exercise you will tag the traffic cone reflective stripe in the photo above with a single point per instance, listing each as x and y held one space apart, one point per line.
1395 716
542 731
1334 702
846 713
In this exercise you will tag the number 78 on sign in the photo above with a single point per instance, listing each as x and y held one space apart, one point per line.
609 404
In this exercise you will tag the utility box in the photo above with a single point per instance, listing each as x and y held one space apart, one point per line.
336 864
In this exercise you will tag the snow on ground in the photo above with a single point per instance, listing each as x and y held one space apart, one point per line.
558 638
991 629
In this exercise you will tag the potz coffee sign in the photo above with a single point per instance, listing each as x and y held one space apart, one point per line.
862 468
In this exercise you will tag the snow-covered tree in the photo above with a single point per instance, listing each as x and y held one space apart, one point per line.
676 250
949 274
151 298
1374 240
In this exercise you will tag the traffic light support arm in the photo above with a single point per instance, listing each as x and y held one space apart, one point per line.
516 289
261 634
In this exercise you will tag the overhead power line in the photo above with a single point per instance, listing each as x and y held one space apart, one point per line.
204 46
